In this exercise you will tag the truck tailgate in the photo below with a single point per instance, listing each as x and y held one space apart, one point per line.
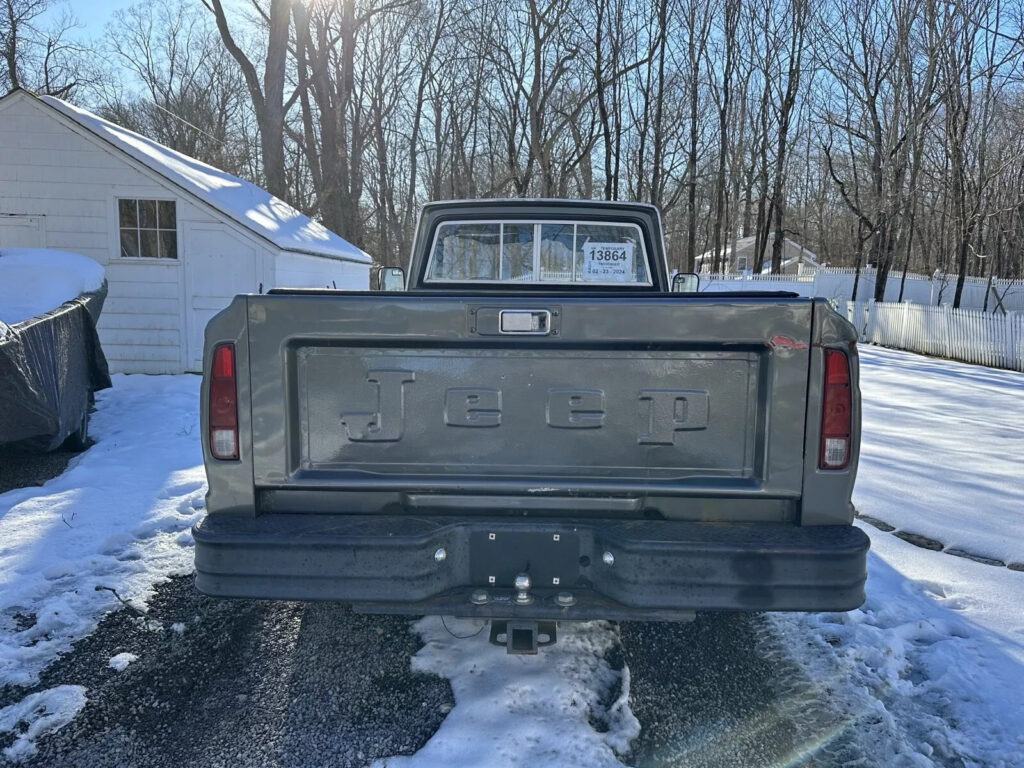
625 397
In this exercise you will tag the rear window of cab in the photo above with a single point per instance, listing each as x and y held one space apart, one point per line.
564 252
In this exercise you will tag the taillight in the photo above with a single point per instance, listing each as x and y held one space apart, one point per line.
223 403
836 412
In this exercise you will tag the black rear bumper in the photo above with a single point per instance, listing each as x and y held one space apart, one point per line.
661 569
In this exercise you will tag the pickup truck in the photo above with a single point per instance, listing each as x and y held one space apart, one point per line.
537 428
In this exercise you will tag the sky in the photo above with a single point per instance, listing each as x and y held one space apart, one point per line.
92 15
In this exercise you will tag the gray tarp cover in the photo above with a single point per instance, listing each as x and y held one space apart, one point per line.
48 366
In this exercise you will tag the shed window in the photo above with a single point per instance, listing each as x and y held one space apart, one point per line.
149 228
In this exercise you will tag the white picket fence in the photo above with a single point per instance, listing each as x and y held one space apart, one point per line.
957 334
834 283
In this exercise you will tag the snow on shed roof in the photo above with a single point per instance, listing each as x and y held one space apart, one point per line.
251 206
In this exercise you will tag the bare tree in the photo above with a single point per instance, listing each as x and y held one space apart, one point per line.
797 17
190 96
266 92
39 55
975 70
723 89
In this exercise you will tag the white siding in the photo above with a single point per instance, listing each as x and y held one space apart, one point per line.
141 320
221 266
21 231
299 270
73 184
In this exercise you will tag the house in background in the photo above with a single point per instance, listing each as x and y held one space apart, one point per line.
179 238
796 260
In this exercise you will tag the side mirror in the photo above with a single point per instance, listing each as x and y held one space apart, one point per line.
685 282
392 279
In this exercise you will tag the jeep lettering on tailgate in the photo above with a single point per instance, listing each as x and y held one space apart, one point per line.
660 412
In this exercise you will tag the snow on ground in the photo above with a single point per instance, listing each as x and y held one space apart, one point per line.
117 519
121 661
932 665
929 671
942 451
525 710
34 281
38 714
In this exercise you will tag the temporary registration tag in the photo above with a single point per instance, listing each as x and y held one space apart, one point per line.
608 262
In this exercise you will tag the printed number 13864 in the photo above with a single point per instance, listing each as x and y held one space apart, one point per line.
610 254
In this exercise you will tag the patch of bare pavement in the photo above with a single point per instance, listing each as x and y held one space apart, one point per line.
251 683
241 683
22 469
722 692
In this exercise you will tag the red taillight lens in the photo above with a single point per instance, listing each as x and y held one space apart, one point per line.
836 412
223 403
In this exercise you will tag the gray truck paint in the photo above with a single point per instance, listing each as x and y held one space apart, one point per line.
679 430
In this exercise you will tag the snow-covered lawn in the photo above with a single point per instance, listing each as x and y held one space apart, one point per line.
943 451
117 519
933 664
929 671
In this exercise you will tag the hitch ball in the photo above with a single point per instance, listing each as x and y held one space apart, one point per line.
522 587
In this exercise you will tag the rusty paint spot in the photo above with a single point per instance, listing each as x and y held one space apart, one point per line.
786 342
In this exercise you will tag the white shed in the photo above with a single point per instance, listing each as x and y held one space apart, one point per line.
796 260
178 238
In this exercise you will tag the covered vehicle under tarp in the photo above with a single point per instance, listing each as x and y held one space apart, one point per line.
49 367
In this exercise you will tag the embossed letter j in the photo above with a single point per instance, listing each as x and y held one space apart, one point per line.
386 423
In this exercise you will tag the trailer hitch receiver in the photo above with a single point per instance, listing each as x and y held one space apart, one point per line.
523 637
